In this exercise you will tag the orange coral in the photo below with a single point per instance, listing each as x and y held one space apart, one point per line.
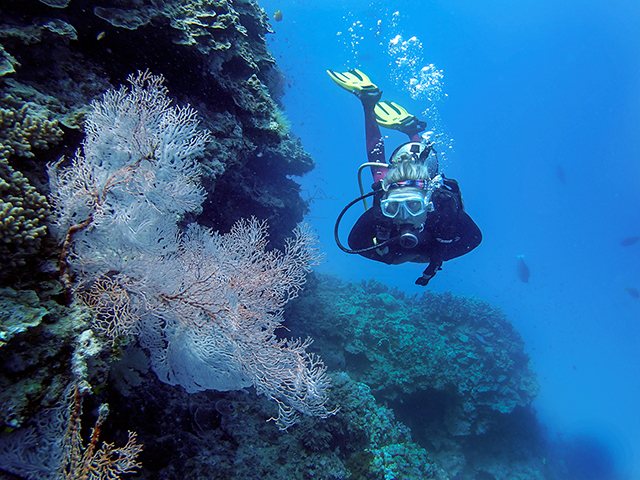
80 462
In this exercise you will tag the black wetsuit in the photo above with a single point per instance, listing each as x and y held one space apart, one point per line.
448 233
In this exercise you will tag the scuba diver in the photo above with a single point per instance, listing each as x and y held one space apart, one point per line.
417 213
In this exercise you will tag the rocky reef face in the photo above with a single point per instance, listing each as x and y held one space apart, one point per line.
452 368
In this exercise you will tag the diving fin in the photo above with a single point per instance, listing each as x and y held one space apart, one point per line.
391 115
356 82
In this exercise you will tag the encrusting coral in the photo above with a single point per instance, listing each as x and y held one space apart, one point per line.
19 311
38 339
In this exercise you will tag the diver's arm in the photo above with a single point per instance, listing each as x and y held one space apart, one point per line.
435 251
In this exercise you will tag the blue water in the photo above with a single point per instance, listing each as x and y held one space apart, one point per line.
528 89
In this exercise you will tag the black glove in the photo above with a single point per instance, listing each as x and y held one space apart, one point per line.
424 280
429 273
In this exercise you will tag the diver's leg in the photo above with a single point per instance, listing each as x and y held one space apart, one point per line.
358 83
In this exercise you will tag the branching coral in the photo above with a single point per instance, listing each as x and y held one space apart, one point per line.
22 209
22 215
83 462
205 305
52 447
22 131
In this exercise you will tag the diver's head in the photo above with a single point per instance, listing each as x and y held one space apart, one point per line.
405 168
407 199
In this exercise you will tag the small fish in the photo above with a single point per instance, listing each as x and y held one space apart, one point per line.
560 173
632 291
627 242
523 270
278 16
101 35
483 341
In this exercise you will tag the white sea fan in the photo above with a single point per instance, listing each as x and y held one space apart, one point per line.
137 174
205 305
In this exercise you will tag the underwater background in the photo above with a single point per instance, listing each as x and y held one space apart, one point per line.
485 374
537 111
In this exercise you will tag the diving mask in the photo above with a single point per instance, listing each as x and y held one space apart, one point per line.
407 205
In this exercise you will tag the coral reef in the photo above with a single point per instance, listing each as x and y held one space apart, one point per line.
457 359
22 131
222 435
23 209
400 346
431 386
53 63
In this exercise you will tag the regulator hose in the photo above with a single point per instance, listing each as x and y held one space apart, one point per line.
335 229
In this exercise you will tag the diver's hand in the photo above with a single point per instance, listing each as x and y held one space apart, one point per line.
429 273
424 280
